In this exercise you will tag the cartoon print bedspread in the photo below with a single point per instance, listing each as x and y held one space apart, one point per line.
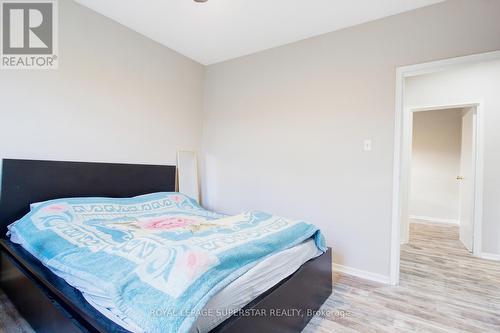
157 253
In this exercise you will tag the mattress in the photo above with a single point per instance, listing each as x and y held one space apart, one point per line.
135 260
260 278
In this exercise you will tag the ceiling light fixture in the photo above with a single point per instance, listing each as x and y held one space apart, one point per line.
200 0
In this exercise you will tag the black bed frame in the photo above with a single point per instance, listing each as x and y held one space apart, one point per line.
49 304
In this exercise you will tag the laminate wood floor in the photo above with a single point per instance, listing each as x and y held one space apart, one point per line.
443 288
10 320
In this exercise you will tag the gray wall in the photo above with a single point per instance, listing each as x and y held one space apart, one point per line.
117 96
435 164
284 128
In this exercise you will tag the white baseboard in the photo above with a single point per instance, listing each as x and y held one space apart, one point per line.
375 277
434 219
490 256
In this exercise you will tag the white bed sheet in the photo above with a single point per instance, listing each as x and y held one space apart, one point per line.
234 296
253 283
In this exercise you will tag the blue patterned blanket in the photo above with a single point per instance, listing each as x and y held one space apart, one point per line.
160 253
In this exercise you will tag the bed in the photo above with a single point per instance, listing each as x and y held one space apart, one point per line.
50 304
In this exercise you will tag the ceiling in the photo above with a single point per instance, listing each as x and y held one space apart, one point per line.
220 30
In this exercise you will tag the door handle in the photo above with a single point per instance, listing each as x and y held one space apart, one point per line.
460 178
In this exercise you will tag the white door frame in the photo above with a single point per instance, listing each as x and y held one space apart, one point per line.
400 167
406 154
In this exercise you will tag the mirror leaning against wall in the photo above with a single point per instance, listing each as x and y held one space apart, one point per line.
187 174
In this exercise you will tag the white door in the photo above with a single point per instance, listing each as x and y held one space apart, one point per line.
466 179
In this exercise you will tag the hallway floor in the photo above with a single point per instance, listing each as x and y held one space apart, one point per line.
443 288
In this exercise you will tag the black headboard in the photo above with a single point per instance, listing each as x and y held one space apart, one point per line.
28 181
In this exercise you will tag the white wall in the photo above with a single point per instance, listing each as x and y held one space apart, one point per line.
117 96
284 128
480 82
435 164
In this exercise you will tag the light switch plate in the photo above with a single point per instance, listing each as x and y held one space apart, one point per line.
367 145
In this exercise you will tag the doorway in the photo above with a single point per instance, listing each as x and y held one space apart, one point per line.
441 179
402 149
